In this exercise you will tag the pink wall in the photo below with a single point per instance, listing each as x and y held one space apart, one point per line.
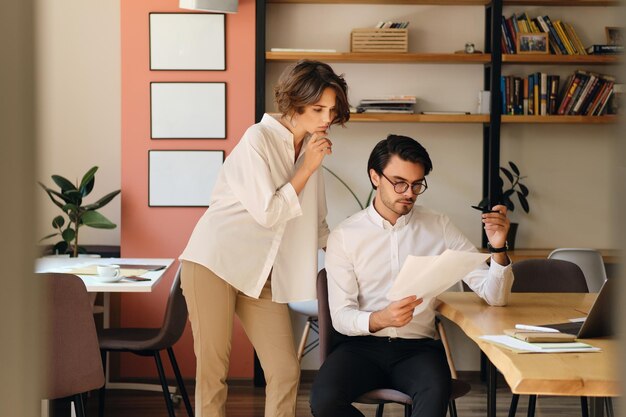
158 231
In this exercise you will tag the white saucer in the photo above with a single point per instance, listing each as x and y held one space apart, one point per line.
108 279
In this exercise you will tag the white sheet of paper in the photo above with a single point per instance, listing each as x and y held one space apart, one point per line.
429 276
525 347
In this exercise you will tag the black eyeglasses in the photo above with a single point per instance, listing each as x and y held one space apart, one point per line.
401 186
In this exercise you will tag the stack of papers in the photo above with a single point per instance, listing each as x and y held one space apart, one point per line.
520 346
387 104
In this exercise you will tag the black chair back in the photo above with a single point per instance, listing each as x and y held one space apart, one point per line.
548 275
175 318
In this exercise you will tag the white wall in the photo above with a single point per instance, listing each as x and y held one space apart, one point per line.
570 168
78 97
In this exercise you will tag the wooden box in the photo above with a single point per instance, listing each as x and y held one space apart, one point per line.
379 40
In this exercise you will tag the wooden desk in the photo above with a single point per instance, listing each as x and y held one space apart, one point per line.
610 256
573 374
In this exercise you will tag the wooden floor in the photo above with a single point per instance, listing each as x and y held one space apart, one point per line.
246 401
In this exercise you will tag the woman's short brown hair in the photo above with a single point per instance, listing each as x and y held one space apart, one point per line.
303 83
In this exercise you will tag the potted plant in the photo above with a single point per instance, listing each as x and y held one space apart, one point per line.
70 200
516 188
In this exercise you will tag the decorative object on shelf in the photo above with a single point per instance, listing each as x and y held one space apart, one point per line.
388 104
219 6
70 201
516 188
379 40
614 35
469 48
532 43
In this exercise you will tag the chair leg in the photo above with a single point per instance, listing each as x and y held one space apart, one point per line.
408 409
532 403
79 406
513 407
102 391
305 336
380 409
584 407
452 408
179 380
166 391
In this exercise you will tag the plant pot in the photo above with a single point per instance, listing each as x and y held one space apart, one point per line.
510 237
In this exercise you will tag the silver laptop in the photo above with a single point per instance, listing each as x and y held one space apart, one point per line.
599 320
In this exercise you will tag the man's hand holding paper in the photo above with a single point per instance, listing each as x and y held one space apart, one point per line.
428 276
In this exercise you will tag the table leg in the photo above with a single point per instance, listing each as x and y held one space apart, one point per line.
597 406
492 382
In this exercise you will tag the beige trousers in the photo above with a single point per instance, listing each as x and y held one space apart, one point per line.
212 303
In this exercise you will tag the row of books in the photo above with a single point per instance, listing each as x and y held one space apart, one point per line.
563 39
388 104
391 25
585 93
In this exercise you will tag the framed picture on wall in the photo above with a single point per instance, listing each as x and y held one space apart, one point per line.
182 178
187 42
187 110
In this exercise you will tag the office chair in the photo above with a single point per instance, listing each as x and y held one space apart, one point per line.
73 357
547 275
149 342
386 395
589 260
309 310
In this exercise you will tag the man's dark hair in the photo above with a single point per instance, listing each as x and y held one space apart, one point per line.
404 147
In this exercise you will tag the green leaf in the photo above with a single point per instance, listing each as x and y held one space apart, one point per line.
51 194
102 202
508 203
60 247
508 193
507 173
523 188
514 168
88 181
69 207
58 221
63 183
523 202
75 197
68 234
48 236
97 220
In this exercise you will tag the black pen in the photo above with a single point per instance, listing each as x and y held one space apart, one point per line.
485 210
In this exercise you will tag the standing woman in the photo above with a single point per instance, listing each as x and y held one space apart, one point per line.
255 248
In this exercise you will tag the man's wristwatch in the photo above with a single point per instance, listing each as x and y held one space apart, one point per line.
498 250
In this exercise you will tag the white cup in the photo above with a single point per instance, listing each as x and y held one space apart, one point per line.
108 272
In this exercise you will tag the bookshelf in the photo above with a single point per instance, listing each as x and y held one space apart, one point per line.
362 57
562 59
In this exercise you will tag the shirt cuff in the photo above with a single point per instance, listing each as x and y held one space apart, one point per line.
292 200
363 322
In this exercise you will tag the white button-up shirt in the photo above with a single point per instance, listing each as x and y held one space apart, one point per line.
365 253
256 223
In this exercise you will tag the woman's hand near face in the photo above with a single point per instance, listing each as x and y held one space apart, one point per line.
316 149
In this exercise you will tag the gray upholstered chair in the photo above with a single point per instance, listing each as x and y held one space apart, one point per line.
589 260
73 357
377 396
150 341
547 275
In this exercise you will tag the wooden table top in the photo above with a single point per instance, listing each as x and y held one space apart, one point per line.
579 374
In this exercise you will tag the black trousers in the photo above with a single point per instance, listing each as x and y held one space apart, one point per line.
417 367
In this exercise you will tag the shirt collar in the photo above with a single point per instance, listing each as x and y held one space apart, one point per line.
385 224
282 132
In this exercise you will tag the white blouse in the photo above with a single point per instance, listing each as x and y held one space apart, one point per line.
365 253
257 224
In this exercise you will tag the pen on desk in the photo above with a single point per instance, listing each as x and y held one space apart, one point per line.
535 328
484 209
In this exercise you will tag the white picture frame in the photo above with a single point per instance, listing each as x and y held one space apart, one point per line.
187 110
182 178
187 42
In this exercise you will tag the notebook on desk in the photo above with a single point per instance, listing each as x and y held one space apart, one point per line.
599 320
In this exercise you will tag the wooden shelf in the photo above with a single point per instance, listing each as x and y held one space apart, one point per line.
419 118
561 59
376 57
434 2
561 119
566 3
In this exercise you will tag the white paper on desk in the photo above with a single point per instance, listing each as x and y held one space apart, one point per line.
429 276
524 347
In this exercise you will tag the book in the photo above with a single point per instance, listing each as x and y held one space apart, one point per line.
574 36
328 51
535 337
555 35
445 112
543 94
520 346
605 49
